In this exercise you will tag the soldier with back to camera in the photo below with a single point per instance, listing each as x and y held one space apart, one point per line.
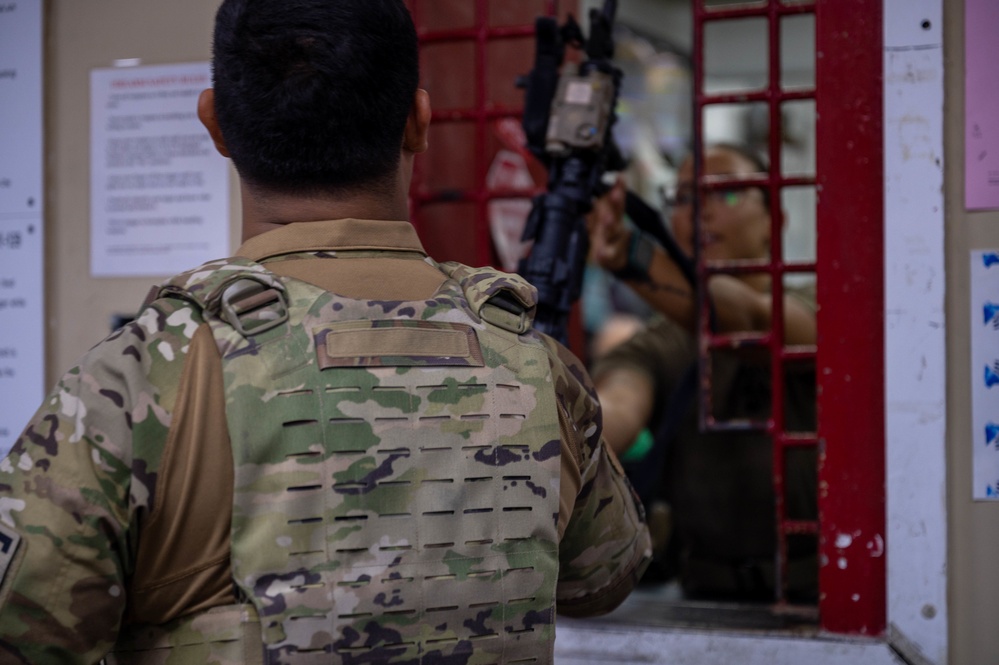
328 448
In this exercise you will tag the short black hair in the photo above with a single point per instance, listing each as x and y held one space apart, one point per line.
312 95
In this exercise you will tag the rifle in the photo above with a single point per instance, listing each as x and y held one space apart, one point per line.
568 121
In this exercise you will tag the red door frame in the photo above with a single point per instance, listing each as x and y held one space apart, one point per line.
851 358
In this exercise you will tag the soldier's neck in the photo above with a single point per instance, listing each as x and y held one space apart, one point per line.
264 212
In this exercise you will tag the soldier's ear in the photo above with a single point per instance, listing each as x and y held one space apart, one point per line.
418 123
206 114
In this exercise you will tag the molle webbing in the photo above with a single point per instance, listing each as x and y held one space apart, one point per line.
397 476
228 635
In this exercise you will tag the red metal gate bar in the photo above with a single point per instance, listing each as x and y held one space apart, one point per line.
758 96
766 8
850 365
777 410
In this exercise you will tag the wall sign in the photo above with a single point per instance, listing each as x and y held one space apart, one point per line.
22 308
159 201
985 374
981 105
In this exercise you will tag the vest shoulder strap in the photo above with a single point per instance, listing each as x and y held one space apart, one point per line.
503 299
239 291
252 299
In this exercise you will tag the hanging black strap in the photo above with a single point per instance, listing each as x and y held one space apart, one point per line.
646 218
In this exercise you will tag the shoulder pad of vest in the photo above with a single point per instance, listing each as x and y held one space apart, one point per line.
500 298
219 286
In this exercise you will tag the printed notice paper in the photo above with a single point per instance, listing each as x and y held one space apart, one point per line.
981 105
985 374
159 190
22 329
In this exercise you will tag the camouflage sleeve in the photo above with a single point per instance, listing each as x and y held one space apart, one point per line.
72 487
606 545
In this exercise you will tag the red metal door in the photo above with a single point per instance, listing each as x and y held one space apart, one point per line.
849 353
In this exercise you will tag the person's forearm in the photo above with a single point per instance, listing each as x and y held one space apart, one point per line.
626 400
667 290
620 427
738 306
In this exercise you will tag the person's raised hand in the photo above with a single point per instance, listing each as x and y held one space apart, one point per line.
609 235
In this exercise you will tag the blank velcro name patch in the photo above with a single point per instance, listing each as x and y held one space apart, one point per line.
396 343
10 540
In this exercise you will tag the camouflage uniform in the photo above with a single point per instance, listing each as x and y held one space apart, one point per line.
121 488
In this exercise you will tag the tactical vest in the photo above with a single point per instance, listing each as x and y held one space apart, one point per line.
397 474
